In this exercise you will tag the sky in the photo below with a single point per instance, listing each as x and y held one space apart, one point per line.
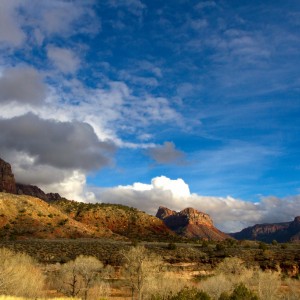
179 103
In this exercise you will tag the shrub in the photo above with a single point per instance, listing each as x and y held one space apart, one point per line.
263 246
241 292
172 246
184 294
19 275
190 294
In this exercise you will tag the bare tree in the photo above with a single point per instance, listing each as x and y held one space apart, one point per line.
78 277
139 268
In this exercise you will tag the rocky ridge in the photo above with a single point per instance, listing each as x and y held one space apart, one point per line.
190 223
34 191
281 232
9 185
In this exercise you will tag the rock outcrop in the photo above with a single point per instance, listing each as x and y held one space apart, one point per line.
35 191
281 232
9 185
190 223
7 179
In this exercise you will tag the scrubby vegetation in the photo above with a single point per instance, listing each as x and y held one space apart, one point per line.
142 273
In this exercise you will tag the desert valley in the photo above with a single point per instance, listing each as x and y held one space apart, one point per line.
183 250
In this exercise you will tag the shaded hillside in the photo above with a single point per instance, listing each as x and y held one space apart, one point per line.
28 217
191 223
281 232
120 219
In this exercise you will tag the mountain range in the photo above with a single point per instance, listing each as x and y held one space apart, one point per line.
26 211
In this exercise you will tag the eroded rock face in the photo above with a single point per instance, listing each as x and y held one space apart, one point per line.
7 179
187 216
190 223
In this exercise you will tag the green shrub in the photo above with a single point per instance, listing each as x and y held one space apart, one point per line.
172 246
239 293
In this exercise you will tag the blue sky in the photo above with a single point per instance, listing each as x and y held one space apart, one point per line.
136 101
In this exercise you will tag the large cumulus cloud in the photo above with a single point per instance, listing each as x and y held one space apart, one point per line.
229 214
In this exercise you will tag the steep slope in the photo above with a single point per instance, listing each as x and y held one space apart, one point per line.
123 220
28 217
281 232
190 223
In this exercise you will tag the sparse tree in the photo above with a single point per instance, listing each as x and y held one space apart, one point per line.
78 277
139 268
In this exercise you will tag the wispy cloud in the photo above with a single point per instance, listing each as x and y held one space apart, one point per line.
64 59
166 154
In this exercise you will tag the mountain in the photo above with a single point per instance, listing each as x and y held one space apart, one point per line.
25 213
190 223
281 232
23 217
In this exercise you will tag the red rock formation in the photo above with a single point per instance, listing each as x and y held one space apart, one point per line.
7 179
190 223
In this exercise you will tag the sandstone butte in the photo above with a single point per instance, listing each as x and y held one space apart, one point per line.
190 223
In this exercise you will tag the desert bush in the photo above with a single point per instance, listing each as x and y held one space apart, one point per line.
240 292
171 246
164 285
184 294
217 285
81 277
231 266
19 275
267 284
228 274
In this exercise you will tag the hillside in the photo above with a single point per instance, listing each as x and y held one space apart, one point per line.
120 219
24 217
281 232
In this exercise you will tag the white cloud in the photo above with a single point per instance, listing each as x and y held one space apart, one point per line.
228 213
71 187
64 59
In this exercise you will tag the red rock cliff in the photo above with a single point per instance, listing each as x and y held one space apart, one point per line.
7 179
